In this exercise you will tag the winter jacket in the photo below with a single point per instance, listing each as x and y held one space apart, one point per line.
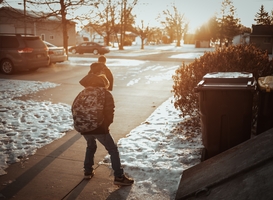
110 77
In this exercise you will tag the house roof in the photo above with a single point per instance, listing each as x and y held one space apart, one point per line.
30 14
262 30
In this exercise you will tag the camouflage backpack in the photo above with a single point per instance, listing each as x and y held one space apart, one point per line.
87 109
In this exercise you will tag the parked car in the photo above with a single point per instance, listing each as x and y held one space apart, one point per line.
89 47
56 54
22 52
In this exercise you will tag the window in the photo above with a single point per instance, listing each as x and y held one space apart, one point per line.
51 37
43 37
9 42
34 42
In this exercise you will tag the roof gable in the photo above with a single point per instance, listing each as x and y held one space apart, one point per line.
30 14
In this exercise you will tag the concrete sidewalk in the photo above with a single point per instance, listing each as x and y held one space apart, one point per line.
55 172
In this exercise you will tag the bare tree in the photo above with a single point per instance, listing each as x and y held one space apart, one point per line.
175 24
62 8
125 14
114 18
143 32
105 20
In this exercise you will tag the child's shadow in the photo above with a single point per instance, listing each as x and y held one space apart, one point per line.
121 193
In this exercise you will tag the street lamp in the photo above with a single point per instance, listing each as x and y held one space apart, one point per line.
25 1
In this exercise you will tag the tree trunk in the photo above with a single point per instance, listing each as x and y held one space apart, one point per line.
107 42
178 43
142 43
64 25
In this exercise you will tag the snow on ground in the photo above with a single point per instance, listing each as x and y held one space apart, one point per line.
156 153
26 126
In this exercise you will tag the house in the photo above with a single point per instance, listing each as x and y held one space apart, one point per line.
241 39
262 37
49 29
89 34
202 44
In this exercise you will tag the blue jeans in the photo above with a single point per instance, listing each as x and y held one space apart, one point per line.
107 141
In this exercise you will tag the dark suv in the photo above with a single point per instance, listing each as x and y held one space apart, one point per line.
19 53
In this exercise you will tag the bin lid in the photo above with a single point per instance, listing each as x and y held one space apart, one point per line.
227 81
266 83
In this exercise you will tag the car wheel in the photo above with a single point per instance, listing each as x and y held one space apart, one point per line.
95 51
74 51
7 67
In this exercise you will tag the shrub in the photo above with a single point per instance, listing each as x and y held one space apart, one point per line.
240 58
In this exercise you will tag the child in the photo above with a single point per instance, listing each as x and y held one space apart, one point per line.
98 86
107 72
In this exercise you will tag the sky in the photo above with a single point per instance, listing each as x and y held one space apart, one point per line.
159 148
197 12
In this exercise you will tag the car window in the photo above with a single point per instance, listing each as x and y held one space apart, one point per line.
84 45
34 42
49 45
8 42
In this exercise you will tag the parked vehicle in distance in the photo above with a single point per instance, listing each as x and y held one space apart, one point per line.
56 54
22 52
89 47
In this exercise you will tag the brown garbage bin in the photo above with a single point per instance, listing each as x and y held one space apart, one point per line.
225 103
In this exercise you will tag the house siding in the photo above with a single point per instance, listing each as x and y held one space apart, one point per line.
12 21
262 37
241 39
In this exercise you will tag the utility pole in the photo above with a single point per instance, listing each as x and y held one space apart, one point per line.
25 26
142 35
121 25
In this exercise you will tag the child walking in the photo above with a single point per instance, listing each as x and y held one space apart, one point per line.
98 102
